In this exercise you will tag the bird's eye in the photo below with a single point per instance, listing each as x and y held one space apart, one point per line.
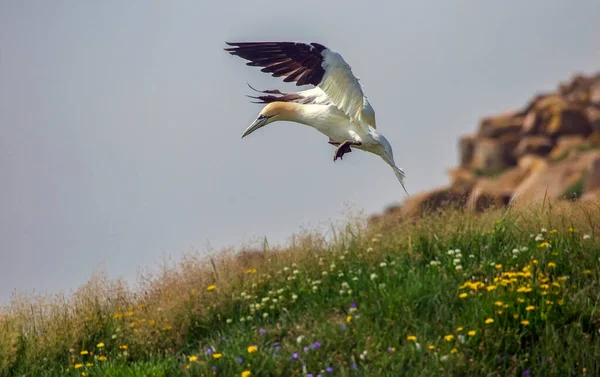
260 117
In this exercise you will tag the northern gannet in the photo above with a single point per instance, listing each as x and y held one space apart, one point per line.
336 106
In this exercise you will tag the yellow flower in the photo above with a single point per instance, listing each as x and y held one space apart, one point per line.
77 366
449 338
252 349
100 345
554 231
489 320
587 271
525 322
499 312
515 316
250 271
246 373
491 288
84 374
544 244
412 338
472 333
498 266
217 355
348 319
530 307
520 300
430 347
572 230
463 295
193 359
84 352
102 358
89 364
498 303
129 314
561 302
123 347
551 264
459 329
187 366
151 322
453 350
211 287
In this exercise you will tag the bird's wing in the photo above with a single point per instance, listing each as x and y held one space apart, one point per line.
313 64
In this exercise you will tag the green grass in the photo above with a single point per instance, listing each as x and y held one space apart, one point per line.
445 296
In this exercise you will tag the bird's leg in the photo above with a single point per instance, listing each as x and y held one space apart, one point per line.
344 148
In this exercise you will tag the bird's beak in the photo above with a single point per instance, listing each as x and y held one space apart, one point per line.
258 123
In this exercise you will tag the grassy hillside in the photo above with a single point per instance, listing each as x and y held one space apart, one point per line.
499 294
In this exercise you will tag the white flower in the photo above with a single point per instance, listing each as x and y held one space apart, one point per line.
342 292
456 261
355 278
295 272
265 315
324 273
418 346
382 264
471 255
345 285
524 248
229 320
450 252
586 236
458 268
444 358
543 230
286 269
461 338
458 255
294 297
370 249
435 263
373 276
515 251
539 237
381 286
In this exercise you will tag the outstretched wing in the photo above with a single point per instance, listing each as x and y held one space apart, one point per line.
314 64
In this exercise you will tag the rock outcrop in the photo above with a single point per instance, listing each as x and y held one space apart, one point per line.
548 150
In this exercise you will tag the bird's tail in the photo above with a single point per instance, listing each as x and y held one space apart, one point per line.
400 175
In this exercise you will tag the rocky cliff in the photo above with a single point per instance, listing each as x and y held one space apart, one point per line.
549 149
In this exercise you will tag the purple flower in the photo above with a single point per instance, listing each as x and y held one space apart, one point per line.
305 349
318 375
315 345
276 346
329 369
214 368
353 304
526 372
343 325
208 351
262 331
239 359
295 356
310 375
353 366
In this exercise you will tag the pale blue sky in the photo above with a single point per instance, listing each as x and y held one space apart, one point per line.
120 122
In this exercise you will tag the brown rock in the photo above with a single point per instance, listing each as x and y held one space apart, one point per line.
566 145
416 206
466 145
493 155
531 123
595 93
502 124
569 121
536 144
592 175
461 177
593 116
555 181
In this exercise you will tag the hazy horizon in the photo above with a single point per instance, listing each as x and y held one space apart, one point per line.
120 123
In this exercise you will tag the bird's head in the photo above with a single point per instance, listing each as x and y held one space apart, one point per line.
272 112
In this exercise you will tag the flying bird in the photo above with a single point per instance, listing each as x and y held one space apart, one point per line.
336 106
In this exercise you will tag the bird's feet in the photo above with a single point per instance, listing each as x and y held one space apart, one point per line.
342 149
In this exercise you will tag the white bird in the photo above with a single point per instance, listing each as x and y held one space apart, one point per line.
336 106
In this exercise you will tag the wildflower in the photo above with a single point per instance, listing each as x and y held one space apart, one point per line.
544 244
587 271
84 374
316 345
123 347
515 316
79 365
246 373
463 295
572 230
411 338
211 287
391 349
100 345
102 358
498 303
530 307
526 372
373 276
329 370
84 352
458 268
472 333
193 359
217 355
491 288
89 364
382 264
430 347
459 329
348 319
262 331
252 349
586 236
551 264
489 320
453 350
449 338
498 266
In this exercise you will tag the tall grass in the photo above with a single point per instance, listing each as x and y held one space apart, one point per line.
503 293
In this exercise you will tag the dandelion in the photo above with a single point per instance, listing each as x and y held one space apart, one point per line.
453 350
489 320
530 307
89 364
211 287
253 348
498 266
217 355
100 345
472 333
84 374
411 338
246 373
498 303
102 358
78 365
491 288
544 244
348 319
459 329
430 347
449 338
525 322
463 295
551 264
572 230
123 347
84 352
